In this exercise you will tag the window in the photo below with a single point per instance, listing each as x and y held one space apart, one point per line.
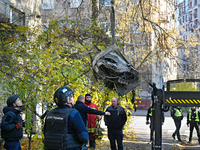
17 17
196 23
190 4
180 11
180 22
195 2
195 13
105 2
75 3
190 16
2 8
48 4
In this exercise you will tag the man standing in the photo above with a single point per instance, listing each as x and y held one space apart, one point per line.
115 123
177 115
64 127
193 122
91 121
12 124
84 110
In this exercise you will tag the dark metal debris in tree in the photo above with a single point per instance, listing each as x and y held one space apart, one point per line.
115 70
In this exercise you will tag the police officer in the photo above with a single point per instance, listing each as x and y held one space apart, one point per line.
150 116
193 122
64 128
177 115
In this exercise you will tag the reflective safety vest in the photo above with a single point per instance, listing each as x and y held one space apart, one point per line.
178 113
56 131
151 111
197 115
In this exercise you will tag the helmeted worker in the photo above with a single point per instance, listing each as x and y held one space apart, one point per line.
177 115
193 122
12 124
64 128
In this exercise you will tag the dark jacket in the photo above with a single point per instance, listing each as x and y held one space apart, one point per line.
84 110
174 112
76 125
117 119
8 129
193 117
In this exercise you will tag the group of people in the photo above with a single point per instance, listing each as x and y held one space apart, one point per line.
69 126
193 121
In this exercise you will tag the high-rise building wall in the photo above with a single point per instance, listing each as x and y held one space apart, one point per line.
189 30
165 69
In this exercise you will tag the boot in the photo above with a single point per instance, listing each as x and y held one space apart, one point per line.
173 135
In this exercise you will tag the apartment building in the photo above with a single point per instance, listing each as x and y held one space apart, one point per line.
19 12
189 25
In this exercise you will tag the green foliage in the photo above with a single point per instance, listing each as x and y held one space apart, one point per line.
185 86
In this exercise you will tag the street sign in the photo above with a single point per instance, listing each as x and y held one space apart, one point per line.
182 98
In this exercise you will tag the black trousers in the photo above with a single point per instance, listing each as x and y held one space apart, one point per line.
192 126
114 135
178 126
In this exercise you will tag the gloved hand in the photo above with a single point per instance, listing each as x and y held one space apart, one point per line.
18 125
147 122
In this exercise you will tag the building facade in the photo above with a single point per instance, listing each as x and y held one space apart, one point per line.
189 25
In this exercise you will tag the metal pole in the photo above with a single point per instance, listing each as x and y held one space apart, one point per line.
158 123
157 117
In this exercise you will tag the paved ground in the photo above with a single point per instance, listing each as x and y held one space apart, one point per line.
139 133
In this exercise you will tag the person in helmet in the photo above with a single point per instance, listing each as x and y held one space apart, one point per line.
64 128
12 124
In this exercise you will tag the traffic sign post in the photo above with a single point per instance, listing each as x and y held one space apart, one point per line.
157 96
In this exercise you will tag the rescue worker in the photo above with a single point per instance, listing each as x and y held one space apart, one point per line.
115 123
12 124
84 110
64 128
91 121
177 115
193 122
150 116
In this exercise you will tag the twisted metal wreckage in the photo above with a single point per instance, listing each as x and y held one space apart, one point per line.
115 70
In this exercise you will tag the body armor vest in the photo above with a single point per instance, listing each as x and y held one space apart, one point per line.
56 135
